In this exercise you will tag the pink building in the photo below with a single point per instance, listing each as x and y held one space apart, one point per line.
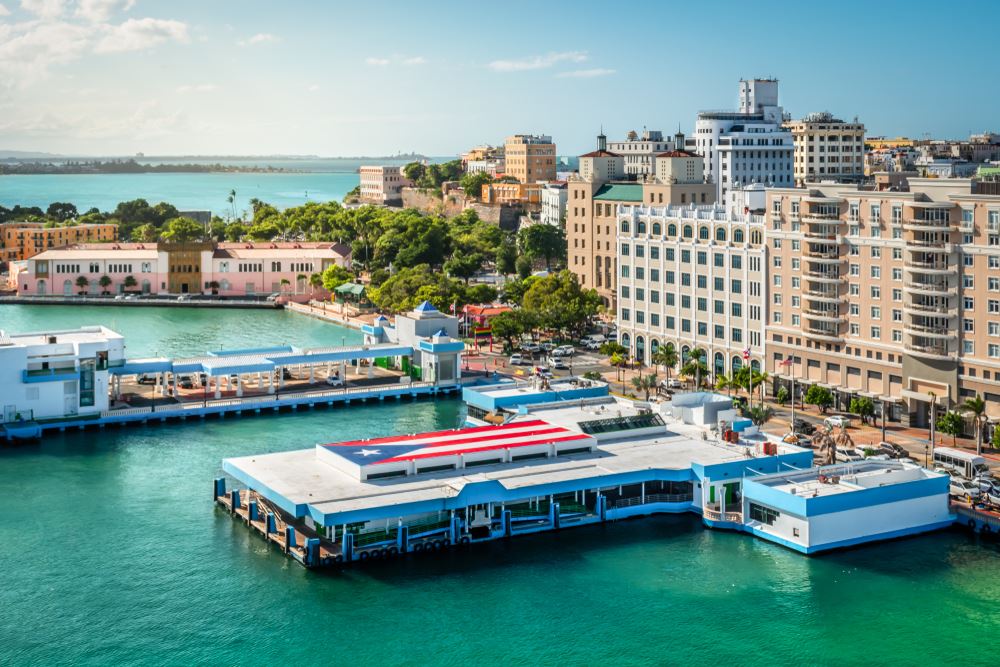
226 269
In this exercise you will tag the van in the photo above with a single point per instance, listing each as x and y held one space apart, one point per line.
957 462
593 339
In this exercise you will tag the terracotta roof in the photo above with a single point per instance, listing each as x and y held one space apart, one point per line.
601 154
676 153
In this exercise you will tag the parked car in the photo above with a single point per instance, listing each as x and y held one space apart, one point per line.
531 348
132 297
185 381
893 450
564 351
335 381
556 363
273 297
849 456
964 489
991 496
587 341
119 297
837 421
547 347
543 372
671 383
804 427
593 345
146 378
516 360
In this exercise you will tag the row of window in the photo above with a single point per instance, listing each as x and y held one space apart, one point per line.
718 331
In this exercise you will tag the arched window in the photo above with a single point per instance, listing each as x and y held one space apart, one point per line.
737 364
625 342
625 226
703 233
719 364
738 235
720 234
657 229
670 346
755 366
41 288
671 230
640 227
688 232
640 349
685 350
654 347
68 287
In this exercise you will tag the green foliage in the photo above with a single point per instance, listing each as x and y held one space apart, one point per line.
353 195
408 287
560 304
819 396
782 395
130 281
473 184
593 375
235 231
510 326
523 266
612 348
431 176
61 211
862 406
513 290
147 233
506 258
759 414
951 423
334 276
182 230
644 383
666 357
695 366
996 436
543 242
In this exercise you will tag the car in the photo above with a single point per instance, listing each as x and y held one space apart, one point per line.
992 496
588 341
543 372
132 297
987 483
671 383
837 421
531 348
185 381
893 450
613 336
547 347
594 345
849 456
335 381
120 297
556 363
516 360
804 427
146 378
564 351
273 297
964 489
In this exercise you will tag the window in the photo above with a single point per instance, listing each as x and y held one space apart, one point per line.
626 315
625 271
625 291
876 292
720 331
702 329
702 282
736 262
876 271
702 258
763 514
736 286
876 333
640 273
625 249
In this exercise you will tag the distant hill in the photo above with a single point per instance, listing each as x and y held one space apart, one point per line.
26 155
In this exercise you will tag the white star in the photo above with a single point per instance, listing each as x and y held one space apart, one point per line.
368 452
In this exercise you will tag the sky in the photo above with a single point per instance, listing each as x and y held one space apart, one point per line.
252 77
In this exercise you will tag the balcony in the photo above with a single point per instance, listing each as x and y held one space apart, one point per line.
930 309
823 276
823 315
822 234
823 258
49 375
917 225
937 287
824 296
942 331
929 351
824 335
930 245
935 268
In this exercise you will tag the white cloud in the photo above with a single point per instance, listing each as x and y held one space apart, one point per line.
377 62
586 73
259 38
197 88
28 50
313 88
4 11
538 62
415 60
139 34
45 9
101 10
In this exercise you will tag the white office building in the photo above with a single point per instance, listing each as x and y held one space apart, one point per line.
53 374
692 276
639 151
749 145
554 203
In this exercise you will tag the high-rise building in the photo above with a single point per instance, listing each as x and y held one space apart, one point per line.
530 158
747 146
594 196
892 295
827 149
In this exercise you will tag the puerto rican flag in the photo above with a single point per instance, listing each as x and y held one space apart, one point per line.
457 441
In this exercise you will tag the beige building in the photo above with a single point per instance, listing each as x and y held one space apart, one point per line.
530 158
383 185
827 149
23 240
893 295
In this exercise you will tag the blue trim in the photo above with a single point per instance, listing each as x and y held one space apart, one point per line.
49 375
438 348
481 397
805 506
854 541
251 350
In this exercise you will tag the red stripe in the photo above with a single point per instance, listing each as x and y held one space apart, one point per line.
428 455
497 436
434 434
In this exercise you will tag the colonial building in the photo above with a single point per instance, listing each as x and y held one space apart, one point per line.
383 185
639 151
827 149
530 158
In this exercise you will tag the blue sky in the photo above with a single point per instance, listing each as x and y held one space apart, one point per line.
349 78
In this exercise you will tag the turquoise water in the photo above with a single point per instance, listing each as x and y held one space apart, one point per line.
112 553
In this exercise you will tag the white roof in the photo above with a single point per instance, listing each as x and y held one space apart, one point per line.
83 254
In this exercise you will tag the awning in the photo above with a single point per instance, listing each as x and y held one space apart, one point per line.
354 289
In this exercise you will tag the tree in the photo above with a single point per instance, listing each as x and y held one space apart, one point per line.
612 348
996 437
759 414
976 407
82 283
183 230
473 184
147 233
480 293
695 365
61 211
863 407
618 361
315 281
285 282
560 304
414 171
644 383
334 276
104 282
214 286
951 423
510 326
666 357
408 287
524 267
130 282
514 290
782 396
232 202
235 231
464 266
506 258
543 242
819 396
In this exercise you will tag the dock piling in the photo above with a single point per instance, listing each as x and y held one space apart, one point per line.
234 497
219 488
348 547
506 523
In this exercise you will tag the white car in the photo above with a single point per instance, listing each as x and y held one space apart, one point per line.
964 489
849 456
515 360
564 351
335 381
671 383
557 364
837 421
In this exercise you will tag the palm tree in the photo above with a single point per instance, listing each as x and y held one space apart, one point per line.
933 399
232 202
759 379
82 283
300 280
843 439
644 383
976 406
315 281
724 383
760 414
695 365
823 441
666 357
284 283
617 360
214 286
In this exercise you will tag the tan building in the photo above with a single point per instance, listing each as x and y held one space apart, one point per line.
22 240
530 158
827 149
512 193
383 185
592 208
893 295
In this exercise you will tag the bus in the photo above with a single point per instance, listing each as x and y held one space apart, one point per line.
963 464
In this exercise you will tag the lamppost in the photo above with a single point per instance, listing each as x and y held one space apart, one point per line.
883 420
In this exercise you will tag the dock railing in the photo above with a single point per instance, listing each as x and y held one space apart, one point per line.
715 515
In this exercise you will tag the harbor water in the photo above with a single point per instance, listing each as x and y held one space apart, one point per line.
114 553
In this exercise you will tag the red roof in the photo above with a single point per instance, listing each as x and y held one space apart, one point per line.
488 310
601 154
676 153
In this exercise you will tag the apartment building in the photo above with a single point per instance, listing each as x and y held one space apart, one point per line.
21 240
693 276
893 295
383 185
554 203
592 205
746 146
530 158
827 149
639 151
